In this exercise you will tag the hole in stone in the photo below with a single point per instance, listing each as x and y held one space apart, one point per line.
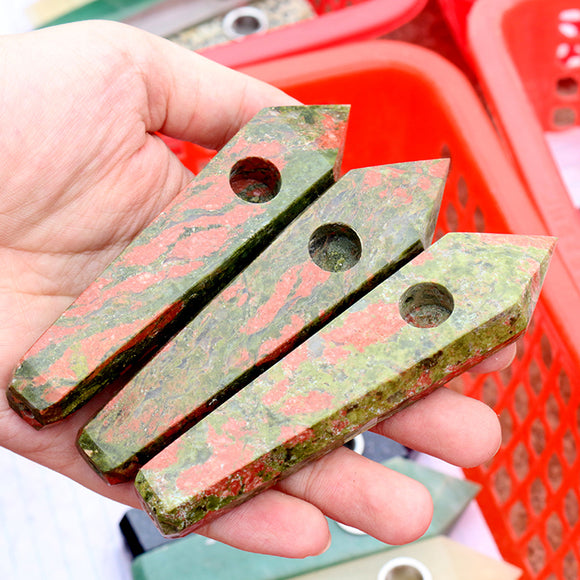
255 180
571 510
462 191
567 86
426 305
503 484
564 384
479 220
521 402
570 567
489 392
536 554
538 496
538 436
569 447
552 412
451 218
357 444
335 247
519 518
521 461
564 117
554 531
554 472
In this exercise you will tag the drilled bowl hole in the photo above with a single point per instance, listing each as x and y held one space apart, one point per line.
255 180
335 247
426 305
244 21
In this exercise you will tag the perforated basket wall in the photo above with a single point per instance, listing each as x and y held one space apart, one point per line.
526 54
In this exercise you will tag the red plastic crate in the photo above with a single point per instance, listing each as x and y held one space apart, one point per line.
527 56
456 13
410 104
337 21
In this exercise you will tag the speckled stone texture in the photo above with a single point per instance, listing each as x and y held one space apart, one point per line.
211 32
465 297
274 304
183 259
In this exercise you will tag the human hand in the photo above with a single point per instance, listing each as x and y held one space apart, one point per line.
82 173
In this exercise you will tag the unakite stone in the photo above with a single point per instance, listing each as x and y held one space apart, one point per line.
363 229
260 181
215 561
465 297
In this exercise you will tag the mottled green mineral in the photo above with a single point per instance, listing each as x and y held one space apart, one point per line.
363 229
256 185
457 302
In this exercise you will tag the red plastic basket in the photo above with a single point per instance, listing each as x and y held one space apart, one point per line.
527 56
410 104
456 13
337 21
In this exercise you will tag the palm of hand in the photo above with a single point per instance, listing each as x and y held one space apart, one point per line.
82 174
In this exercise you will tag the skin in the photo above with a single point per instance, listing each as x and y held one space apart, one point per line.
81 174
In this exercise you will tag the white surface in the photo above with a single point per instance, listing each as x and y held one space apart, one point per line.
55 529
565 148
13 16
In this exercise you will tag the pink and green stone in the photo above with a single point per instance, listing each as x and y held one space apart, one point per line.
465 297
362 230
277 165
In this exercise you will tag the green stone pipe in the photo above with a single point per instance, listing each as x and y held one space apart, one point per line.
280 162
462 299
363 229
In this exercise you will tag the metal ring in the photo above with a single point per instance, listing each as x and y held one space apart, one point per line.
243 21
404 568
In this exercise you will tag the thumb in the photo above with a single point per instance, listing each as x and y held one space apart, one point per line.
191 97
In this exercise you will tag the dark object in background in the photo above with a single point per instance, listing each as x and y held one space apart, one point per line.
140 533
